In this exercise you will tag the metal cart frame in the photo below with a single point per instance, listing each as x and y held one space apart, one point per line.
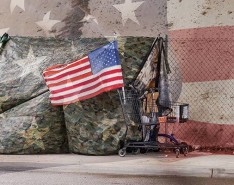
133 111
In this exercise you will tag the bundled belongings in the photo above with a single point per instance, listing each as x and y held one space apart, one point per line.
150 95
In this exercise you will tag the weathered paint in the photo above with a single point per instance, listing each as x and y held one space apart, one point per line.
184 14
205 59
78 18
196 19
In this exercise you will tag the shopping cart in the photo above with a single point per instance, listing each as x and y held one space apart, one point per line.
148 115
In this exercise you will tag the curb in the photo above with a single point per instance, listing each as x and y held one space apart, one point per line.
143 170
198 165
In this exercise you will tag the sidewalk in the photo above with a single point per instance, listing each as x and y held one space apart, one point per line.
151 164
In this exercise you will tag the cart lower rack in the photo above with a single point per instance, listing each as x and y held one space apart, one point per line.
148 114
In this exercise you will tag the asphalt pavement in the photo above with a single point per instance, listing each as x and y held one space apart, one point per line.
196 164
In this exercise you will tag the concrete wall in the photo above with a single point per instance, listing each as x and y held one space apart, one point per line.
205 57
25 113
206 20
194 19
184 14
78 18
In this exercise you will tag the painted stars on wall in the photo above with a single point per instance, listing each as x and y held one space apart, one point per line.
91 19
128 9
19 3
126 17
21 10
47 24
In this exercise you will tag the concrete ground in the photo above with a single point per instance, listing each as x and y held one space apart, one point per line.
196 164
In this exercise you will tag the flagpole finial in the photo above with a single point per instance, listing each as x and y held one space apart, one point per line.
115 35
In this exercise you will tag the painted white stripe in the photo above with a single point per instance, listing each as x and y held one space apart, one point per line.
200 13
210 102
83 86
87 92
82 80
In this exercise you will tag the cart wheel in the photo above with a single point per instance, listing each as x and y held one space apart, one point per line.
177 151
136 151
185 151
122 152
143 150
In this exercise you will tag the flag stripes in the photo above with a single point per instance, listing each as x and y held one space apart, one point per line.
83 96
74 82
80 66
89 82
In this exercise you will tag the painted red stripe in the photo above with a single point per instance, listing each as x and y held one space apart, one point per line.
205 55
87 81
86 89
90 95
204 134
215 32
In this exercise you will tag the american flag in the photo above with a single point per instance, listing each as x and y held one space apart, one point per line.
98 72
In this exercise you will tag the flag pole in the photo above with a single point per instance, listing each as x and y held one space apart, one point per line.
124 97
123 90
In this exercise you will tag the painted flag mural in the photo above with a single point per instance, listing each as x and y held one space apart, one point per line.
201 48
79 18
96 73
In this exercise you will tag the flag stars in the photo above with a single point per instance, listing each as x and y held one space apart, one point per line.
104 59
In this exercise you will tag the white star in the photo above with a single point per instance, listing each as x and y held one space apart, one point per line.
30 64
46 23
89 18
127 9
3 30
19 3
